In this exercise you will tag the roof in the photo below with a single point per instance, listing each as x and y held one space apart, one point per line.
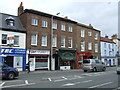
16 28
104 39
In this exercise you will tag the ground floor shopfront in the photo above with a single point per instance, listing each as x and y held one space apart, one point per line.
40 59
14 57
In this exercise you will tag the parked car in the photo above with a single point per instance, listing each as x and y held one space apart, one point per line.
118 69
8 72
93 65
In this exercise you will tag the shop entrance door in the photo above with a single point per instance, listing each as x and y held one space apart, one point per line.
9 60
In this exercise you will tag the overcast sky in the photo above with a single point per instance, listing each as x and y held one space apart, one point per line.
103 15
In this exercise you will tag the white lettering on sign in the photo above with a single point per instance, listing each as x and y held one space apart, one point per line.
7 51
40 52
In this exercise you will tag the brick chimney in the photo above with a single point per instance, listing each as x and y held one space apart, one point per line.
20 9
106 36
114 36
90 26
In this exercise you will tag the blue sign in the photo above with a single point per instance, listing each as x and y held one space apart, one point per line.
13 51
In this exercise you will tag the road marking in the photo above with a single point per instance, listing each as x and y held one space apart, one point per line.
70 84
26 81
59 80
49 79
17 85
101 85
64 78
2 84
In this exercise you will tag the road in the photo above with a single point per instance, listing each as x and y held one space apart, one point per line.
66 79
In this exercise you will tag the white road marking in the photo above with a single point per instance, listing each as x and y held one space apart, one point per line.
64 78
59 80
2 84
100 85
49 79
26 81
70 84
17 85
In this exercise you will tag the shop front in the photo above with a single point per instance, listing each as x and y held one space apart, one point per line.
80 56
67 59
39 59
14 57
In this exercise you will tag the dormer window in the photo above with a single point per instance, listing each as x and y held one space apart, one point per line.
10 21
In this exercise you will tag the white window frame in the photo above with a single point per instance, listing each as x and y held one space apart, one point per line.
34 40
44 42
54 41
70 41
82 33
89 33
89 45
82 45
35 22
63 27
96 36
54 25
62 42
70 29
44 23
96 47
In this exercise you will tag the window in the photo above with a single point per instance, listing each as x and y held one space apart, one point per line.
44 23
63 27
34 22
34 39
16 40
96 36
54 41
82 45
44 40
69 29
62 41
69 42
10 21
89 33
4 38
89 45
96 47
82 33
105 52
104 45
54 25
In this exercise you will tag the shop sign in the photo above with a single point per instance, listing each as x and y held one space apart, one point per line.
45 52
13 51
10 40
68 56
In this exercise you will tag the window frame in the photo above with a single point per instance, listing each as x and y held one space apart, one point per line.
34 40
70 43
70 29
62 27
82 45
96 47
15 40
4 39
62 42
89 45
54 25
44 24
54 44
82 33
34 22
44 43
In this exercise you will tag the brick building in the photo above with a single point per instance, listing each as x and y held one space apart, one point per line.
64 42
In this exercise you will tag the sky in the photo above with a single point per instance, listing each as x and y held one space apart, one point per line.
102 14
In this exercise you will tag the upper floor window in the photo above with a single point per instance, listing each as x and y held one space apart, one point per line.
34 22
89 33
4 38
44 40
96 36
62 42
10 21
44 23
16 40
82 33
34 39
82 45
63 27
69 42
54 41
105 45
89 45
54 26
70 29
96 47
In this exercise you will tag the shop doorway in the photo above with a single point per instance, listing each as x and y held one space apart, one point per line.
9 60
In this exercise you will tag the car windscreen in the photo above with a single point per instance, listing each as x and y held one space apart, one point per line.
86 61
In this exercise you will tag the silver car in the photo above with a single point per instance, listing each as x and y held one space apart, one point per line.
93 65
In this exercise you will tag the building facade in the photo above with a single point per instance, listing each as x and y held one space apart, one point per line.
108 51
52 41
13 41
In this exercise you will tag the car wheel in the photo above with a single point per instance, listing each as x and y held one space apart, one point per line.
94 70
85 70
11 75
104 69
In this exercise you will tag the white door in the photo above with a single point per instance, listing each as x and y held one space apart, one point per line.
32 64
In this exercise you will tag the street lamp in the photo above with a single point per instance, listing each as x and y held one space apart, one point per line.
51 49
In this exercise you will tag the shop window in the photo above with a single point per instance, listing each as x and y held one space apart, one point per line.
4 39
16 40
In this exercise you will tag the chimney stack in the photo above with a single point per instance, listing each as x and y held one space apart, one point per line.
90 26
106 36
114 36
20 9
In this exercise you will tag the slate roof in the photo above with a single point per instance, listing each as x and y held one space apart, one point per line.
17 24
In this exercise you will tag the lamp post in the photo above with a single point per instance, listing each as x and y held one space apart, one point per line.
51 47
